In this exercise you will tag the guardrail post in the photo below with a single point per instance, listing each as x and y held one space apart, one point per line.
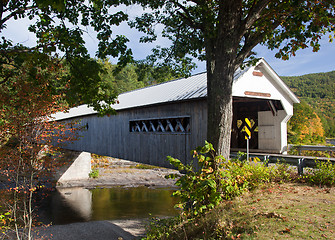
301 166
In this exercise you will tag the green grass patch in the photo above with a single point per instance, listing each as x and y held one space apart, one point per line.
144 166
272 211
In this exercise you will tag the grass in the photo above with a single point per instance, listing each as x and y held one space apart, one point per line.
144 166
288 211
273 211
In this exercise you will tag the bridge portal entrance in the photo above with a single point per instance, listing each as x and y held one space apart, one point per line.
250 108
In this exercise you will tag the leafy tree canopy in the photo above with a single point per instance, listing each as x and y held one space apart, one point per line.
284 25
59 27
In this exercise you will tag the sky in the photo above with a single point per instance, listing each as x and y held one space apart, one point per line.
304 62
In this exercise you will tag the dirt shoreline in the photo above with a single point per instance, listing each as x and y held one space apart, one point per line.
115 172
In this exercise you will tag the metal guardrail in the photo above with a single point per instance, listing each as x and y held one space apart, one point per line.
300 162
313 148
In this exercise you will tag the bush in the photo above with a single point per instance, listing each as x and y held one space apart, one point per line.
322 175
199 189
94 173
5 222
218 179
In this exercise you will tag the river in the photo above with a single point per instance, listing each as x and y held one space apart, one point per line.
70 205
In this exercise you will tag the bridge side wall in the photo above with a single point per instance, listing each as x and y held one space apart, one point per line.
111 136
273 131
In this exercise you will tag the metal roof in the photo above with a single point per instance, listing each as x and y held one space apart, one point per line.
193 87
181 89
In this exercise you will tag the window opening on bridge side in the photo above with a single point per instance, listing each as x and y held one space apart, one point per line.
161 125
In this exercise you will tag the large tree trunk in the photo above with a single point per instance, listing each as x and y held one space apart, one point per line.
219 104
221 53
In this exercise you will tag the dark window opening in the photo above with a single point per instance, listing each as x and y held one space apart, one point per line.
168 125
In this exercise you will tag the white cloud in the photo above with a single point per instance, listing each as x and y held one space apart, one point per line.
305 62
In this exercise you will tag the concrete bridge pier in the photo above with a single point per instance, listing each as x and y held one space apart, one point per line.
77 168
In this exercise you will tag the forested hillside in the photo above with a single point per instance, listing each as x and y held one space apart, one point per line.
134 76
316 90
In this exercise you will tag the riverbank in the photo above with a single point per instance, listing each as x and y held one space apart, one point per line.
113 172
271 211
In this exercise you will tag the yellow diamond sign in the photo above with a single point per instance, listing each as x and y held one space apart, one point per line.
247 129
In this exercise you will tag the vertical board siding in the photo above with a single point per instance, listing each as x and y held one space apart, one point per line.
110 135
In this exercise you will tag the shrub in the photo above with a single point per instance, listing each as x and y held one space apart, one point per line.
5 222
217 179
322 175
282 172
199 189
94 173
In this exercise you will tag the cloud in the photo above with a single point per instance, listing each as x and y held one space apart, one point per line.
305 62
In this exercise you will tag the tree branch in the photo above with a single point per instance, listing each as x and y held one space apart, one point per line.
251 40
187 16
12 14
1 12
255 13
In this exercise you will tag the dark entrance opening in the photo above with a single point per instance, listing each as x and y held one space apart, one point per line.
249 108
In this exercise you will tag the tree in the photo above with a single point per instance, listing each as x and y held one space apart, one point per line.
125 79
224 34
305 126
25 130
150 74
36 80
59 27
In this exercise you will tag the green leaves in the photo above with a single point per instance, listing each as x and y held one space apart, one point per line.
5 221
59 33
212 179
192 28
58 5
199 189
322 175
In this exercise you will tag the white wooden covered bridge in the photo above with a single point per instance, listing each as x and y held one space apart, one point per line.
171 118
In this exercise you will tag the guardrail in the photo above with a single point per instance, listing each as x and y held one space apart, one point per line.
312 148
300 162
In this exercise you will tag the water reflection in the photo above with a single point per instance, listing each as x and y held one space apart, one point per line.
119 203
70 205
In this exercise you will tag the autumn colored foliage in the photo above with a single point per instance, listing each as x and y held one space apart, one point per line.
317 90
305 126
26 130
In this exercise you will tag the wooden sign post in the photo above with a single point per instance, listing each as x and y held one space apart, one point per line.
247 129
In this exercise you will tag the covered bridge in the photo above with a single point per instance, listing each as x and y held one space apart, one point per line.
171 118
